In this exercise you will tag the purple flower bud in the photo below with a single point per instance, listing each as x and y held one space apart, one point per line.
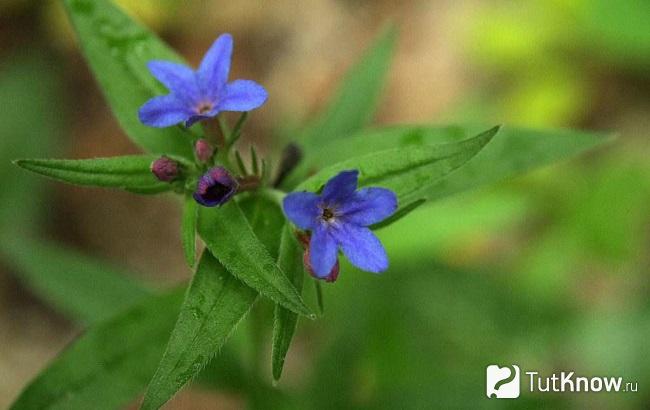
203 150
215 187
331 277
165 169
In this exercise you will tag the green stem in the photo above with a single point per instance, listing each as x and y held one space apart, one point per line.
236 132
225 131
214 133
319 297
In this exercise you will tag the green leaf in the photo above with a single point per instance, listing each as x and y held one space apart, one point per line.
110 364
267 220
284 326
215 302
29 83
118 49
131 173
513 151
188 230
410 172
357 99
228 235
81 287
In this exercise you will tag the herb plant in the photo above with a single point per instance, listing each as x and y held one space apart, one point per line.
266 227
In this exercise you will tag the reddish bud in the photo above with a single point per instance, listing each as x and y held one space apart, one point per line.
203 150
165 169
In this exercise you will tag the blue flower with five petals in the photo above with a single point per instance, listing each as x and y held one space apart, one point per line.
201 94
339 218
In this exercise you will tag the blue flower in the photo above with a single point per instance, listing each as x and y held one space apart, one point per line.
201 94
338 218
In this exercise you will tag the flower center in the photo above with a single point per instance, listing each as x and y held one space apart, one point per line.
328 214
204 108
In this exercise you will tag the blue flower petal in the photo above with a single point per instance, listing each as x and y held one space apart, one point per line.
369 206
179 79
340 187
302 209
242 95
322 251
361 247
196 118
215 66
163 111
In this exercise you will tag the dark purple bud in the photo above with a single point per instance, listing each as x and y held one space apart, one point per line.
203 150
331 277
165 169
215 187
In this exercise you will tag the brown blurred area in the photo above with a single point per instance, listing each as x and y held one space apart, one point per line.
299 50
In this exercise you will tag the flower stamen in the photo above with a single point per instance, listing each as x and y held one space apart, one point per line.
204 108
327 215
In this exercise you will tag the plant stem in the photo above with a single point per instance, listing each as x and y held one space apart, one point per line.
319 297
214 132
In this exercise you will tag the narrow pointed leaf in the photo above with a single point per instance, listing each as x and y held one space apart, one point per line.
81 287
410 171
240 163
513 151
266 218
188 230
117 48
215 302
28 84
356 101
110 364
284 325
131 173
228 235
254 162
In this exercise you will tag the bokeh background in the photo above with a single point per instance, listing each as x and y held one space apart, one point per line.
548 270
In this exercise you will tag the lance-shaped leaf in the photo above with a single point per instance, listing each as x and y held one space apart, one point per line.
410 172
284 325
228 235
215 302
356 101
27 84
110 364
131 173
118 49
512 152
188 229
79 286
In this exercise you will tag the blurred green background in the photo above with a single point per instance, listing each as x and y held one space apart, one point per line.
548 271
